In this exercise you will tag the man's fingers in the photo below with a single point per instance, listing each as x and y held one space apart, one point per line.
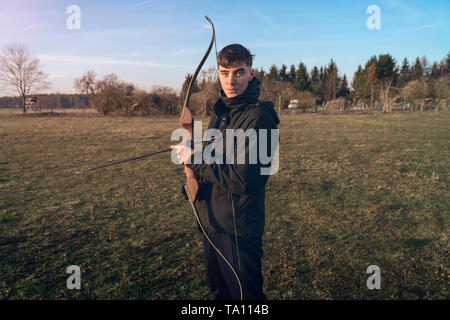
183 152
178 148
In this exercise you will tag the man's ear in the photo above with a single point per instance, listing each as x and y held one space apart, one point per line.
252 74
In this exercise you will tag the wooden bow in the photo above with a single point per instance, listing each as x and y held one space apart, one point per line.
187 121
191 186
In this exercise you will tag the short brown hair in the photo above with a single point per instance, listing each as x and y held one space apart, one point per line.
233 54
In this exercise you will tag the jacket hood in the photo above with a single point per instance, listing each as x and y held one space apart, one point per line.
269 109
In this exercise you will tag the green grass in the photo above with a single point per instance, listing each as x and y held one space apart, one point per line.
353 190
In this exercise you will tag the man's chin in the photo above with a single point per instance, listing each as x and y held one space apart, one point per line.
232 94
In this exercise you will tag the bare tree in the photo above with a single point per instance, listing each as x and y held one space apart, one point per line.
415 94
20 70
86 83
372 79
440 90
107 95
387 73
210 86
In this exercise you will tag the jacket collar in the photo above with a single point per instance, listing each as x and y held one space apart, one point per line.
250 96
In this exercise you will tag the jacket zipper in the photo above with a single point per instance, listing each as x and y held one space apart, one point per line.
235 231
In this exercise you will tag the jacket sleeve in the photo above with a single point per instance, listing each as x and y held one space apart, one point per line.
238 178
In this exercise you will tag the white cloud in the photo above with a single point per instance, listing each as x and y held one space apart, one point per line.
421 27
33 26
297 43
131 32
57 75
104 60
142 3
269 22
177 52
406 8
27 15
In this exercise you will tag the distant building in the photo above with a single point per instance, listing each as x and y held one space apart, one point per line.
293 104
31 102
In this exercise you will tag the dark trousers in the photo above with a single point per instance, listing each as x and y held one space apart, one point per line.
246 261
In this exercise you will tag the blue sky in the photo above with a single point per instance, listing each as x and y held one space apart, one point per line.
157 42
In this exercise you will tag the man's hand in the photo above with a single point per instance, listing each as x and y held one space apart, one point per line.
183 153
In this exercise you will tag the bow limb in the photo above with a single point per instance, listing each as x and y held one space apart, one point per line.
194 77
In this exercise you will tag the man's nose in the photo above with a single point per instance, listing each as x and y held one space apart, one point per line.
232 79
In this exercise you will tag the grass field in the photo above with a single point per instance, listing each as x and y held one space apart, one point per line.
353 190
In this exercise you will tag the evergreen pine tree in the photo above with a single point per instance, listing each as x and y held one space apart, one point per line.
447 62
283 75
315 75
291 74
405 72
344 90
416 70
273 73
332 77
301 78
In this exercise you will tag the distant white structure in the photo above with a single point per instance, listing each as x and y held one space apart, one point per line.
293 104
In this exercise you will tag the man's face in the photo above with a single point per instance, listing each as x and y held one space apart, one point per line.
234 80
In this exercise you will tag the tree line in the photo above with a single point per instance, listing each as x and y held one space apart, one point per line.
110 95
49 101
412 85
378 84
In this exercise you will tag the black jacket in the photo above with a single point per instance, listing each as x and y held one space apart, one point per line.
231 196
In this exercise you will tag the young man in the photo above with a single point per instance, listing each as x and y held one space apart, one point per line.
230 200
